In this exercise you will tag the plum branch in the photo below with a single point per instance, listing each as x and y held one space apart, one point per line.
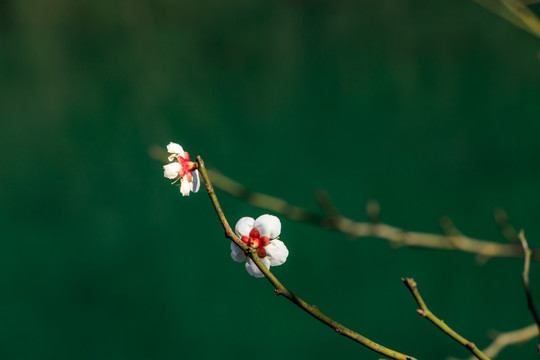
280 289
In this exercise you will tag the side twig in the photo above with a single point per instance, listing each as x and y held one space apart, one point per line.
280 289
525 276
426 313
332 219
508 231
505 339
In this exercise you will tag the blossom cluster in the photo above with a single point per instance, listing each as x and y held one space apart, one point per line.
260 234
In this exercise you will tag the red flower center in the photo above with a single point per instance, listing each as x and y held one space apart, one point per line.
256 241
187 166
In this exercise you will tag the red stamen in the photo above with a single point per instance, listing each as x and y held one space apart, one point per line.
254 243
245 239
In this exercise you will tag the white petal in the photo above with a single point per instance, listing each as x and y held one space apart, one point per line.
244 226
268 225
253 270
174 148
170 171
237 254
196 181
276 252
186 187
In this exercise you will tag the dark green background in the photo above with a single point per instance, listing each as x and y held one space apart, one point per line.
429 107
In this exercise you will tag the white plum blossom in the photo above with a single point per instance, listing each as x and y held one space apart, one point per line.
182 169
260 234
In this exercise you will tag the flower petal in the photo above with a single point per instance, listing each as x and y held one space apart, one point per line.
237 254
196 181
175 148
276 252
186 187
253 270
170 171
244 226
268 225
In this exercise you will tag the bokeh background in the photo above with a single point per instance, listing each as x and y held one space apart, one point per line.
431 108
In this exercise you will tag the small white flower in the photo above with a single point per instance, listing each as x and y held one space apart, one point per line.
182 169
260 234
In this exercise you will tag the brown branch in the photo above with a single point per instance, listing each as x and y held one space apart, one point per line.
280 289
505 339
525 276
426 313
332 219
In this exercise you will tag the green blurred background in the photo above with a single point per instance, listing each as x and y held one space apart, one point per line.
431 108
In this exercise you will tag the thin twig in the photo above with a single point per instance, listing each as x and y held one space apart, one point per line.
508 231
331 219
280 289
504 339
516 12
525 276
426 313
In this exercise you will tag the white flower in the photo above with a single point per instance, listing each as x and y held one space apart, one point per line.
260 234
182 169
